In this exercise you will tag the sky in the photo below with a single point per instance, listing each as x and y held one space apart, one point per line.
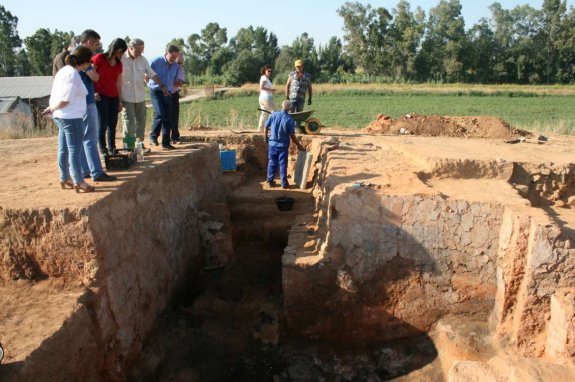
157 22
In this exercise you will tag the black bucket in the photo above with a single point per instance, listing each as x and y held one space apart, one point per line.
285 203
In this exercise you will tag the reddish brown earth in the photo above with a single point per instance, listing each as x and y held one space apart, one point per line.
445 126
232 322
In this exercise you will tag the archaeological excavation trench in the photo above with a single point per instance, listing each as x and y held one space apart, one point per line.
406 258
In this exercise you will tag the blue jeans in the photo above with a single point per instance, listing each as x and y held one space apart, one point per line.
90 159
278 155
108 109
162 116
175 116
70 135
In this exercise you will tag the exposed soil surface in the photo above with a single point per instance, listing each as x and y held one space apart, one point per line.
231 327
233 317
436 125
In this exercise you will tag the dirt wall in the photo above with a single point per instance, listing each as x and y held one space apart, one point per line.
393 265
141 243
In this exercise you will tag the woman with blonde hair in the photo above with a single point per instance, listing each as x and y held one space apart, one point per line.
68 108
266 96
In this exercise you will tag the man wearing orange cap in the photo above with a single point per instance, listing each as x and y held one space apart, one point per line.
298 83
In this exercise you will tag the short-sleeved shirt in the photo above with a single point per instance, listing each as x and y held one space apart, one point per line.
166 72
281 126
68 86
107 84
266 83
298 87
133 83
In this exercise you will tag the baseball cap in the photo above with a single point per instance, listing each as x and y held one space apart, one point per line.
298 63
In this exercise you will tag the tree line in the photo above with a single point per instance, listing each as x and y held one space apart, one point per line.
523 45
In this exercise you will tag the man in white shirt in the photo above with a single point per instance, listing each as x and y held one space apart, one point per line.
135 68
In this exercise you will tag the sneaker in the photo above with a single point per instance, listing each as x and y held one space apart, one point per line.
285 186
176 142
271 183
168 147
154 142
105 178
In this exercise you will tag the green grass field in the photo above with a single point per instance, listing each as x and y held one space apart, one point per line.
352 108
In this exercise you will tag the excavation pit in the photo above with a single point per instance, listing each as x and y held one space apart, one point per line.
414 258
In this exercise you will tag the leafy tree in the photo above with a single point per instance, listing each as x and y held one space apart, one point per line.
367 33
9 42
515 47
443 49
39 48
330 56
253 46
552 13
406 33
565 44
285 60
60 41
481 60
303 48
220 58
203 47
242 69
22 67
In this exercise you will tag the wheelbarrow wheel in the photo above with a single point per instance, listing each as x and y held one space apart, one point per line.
312 126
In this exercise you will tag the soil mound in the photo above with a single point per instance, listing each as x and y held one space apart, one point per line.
436 125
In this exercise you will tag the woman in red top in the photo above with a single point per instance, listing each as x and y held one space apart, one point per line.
109 67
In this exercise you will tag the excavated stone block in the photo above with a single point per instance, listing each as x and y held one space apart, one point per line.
560 345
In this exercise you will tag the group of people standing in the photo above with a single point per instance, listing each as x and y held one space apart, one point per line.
279 127
90 90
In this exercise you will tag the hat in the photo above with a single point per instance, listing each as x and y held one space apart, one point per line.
298 63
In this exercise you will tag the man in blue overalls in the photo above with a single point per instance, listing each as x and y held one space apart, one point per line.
281 128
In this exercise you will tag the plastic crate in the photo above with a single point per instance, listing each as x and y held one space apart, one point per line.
120 161
228 160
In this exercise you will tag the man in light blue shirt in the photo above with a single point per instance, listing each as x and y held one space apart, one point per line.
281 128
161 95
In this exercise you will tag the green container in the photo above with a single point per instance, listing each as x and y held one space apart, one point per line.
129 142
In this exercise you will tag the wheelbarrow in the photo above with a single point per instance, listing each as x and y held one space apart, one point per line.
304 124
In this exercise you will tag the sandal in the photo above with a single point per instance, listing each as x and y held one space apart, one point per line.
83 187
67 183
